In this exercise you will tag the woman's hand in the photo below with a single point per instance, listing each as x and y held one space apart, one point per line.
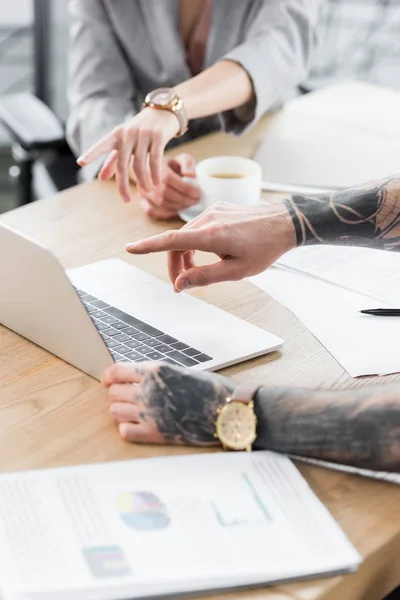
144 138
174 194
161 404
247 239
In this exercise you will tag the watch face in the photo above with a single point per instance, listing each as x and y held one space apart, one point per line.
162 96
236 425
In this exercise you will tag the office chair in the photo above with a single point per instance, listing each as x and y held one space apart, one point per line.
43 162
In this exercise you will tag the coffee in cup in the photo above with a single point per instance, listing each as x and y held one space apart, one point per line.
225 179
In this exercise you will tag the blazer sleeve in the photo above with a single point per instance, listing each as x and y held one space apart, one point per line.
101 89
276 54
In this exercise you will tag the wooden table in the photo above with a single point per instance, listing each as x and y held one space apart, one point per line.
51 414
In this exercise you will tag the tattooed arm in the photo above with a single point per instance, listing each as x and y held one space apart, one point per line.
177 406
249 239
364 216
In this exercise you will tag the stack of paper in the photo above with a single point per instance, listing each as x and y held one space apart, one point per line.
380 475
374 273
333 138
332 285
164 526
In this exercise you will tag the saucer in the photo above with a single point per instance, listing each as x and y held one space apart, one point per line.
192 212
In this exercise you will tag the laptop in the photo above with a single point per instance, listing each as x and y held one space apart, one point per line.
110 311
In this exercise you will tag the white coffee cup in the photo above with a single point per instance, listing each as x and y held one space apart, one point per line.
229 179
225 179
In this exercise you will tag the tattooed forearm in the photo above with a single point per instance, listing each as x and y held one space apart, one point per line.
368 215
359 428
354 427
184 405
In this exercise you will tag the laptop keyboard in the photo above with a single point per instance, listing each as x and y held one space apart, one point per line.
131 340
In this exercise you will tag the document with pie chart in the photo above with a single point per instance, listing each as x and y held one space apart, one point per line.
164 526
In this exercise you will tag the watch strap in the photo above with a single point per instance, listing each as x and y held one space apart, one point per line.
179 111
245 393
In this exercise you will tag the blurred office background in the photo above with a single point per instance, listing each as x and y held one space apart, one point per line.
358 39
33 58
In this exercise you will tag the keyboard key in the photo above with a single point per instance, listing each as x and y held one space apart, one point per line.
133 344
203 358
122 359
154 356
111 331
141 337
87 297
182 359
121 337
119 325
167 339
163 348
134 322
179 346
134 356
111 343
153 342
169 361
144 349
109 320
143 359
130 330
97 315
80 293
191 352
101 326
124 349
100 304
105 337
90 309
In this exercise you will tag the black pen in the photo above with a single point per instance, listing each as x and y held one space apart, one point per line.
382 312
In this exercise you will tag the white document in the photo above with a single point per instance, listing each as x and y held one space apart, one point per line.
362 344
368 108
374 273
163 526
334 138
311 152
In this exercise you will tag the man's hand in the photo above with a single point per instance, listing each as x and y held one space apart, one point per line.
247 239
174 194
161 404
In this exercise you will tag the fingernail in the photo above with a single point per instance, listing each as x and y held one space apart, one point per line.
81 161
183 284
131 246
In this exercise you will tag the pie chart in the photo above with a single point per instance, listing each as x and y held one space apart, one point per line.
142 511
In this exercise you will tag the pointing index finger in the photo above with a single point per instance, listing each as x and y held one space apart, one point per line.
106 144
189 239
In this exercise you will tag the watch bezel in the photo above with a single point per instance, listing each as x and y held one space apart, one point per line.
151 98
230 444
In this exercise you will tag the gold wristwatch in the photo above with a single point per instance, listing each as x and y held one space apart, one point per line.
168 99
236 422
